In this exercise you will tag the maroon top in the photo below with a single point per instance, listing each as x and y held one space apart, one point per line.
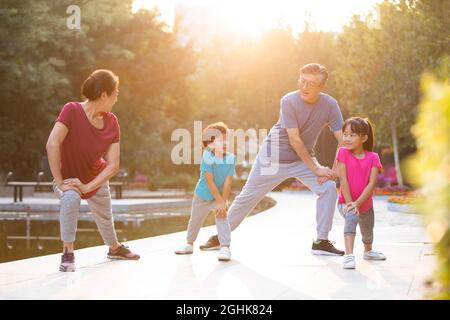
85 145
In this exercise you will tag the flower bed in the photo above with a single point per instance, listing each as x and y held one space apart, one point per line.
402 204
391 191
403 200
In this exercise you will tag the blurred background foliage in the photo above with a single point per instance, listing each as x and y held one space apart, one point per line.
429 169
374 71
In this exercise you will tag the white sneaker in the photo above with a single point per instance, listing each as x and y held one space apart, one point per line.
349 262
374 255
186 249
224 254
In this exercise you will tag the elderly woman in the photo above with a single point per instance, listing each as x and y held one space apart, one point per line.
83 151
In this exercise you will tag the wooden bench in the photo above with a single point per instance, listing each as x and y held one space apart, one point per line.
19 185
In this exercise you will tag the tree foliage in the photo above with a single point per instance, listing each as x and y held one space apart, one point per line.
43 65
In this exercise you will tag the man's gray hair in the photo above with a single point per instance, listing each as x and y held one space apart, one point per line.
315 68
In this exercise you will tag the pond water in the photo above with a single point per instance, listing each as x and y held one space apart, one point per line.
47 232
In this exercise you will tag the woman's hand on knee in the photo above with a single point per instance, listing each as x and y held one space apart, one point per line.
77 184
65 187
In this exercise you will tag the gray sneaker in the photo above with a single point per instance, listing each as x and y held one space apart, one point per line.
349 262
67 262
185 249
224 254
374 255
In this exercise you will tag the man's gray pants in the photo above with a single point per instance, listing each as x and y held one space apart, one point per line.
263 178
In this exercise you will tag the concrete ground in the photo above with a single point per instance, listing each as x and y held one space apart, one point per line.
271 260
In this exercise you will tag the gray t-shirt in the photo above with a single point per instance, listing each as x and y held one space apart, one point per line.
308 118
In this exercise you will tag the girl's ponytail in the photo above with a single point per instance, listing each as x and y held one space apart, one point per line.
368 145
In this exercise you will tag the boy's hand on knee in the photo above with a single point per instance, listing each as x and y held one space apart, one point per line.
221 209
221 214
221 204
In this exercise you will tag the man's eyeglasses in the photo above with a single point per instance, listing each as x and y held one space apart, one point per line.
308 84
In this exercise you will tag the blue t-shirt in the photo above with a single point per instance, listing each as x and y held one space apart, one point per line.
221 168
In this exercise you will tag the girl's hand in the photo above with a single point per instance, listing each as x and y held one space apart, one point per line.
349 206
75 182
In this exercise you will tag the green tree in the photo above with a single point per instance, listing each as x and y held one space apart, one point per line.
44 63
242 82
379 69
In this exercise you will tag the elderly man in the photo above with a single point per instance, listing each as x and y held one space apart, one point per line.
288 152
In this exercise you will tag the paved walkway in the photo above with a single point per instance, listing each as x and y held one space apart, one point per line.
271 260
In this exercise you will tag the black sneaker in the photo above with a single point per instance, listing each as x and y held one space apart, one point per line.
67 262
325 247
211 244
122 253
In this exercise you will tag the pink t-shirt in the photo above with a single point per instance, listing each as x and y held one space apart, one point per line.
84 146
358 174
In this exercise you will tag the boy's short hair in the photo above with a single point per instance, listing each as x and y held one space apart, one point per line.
210 133
315 68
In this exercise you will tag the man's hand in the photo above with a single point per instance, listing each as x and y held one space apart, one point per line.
322 180
325 172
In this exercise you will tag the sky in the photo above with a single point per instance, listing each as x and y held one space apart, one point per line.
252 17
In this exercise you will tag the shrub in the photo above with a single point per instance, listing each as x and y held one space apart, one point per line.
429 169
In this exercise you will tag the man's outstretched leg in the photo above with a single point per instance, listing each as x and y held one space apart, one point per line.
325 207
257 186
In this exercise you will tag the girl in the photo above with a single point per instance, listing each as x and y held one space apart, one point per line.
213 189
358 169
